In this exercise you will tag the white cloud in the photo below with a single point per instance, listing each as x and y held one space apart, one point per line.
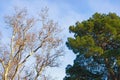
63 13
60 12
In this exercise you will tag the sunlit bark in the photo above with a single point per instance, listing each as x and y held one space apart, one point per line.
26 43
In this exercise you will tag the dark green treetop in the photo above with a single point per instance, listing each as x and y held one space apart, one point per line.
98 41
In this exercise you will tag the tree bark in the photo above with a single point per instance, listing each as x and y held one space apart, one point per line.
111 73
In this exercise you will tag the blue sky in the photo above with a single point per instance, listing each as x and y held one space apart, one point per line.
65 12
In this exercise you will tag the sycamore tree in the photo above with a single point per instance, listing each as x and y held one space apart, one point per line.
32 40
96 44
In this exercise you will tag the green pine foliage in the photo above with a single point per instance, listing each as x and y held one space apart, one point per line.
98 40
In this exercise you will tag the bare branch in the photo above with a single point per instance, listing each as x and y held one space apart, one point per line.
25 43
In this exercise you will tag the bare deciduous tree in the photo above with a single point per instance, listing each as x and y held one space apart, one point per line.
43 45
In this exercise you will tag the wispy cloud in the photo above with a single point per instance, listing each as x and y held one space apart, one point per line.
65 12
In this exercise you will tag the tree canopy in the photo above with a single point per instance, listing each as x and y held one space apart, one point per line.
96 44
32 40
